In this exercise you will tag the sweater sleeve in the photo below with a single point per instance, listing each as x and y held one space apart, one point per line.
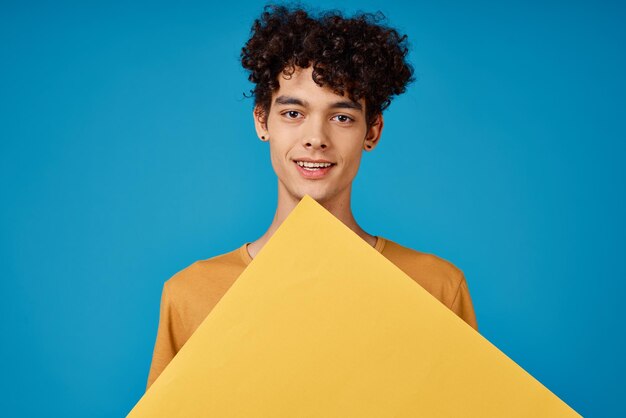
462 305
168 337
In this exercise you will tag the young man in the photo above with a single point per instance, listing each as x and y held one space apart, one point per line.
321 86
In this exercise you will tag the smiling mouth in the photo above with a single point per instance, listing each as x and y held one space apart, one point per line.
314 170
309 166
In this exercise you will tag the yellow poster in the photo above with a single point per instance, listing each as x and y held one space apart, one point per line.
320 324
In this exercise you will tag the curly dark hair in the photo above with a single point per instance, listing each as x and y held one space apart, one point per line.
359 56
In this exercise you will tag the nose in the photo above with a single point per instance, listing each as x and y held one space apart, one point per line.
315 136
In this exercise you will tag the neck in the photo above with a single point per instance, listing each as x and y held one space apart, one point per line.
338 206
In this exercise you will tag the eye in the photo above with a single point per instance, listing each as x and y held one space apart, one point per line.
344 119
292 114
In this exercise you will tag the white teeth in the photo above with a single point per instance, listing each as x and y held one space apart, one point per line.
307 164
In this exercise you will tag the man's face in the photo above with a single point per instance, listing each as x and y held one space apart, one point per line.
316 138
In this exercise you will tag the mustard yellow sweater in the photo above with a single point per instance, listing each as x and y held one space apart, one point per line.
190 294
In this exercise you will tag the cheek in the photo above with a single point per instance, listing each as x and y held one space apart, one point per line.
279 158
273 158
352 162
356 162
353 155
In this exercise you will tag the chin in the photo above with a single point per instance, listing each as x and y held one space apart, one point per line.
320 196
321 192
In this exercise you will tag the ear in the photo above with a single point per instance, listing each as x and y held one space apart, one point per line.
373 133
260 123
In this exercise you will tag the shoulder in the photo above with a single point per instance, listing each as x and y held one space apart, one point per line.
208 275
437 275
405 257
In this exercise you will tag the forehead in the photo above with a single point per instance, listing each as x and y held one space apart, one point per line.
301 84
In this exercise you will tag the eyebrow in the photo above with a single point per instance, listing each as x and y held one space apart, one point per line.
343 104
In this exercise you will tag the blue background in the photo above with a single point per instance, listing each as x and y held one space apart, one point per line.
128 152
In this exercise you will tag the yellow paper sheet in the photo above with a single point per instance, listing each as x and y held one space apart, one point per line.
322 325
